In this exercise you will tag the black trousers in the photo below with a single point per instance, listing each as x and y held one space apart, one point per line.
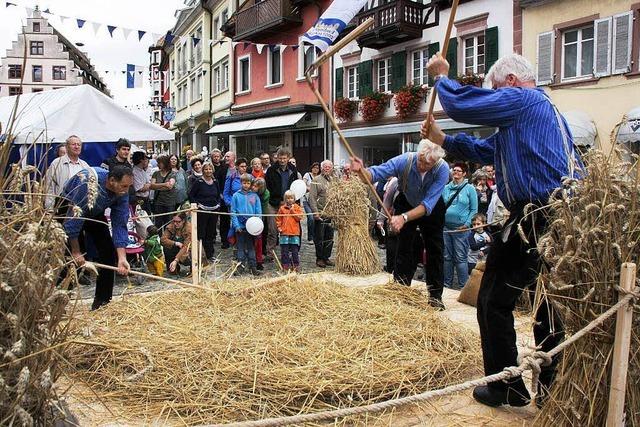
106 254
512 266
160 221
207 231
406 260
225 224
323 238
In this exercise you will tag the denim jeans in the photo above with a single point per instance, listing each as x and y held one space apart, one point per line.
246 251
456 250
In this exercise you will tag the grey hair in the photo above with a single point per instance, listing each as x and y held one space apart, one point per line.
514 64
68 140
429 149
326 162
216 150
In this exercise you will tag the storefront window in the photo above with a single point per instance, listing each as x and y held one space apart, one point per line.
249 146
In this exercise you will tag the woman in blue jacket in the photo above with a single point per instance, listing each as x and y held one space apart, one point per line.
461 201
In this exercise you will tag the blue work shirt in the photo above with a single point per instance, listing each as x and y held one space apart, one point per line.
418 190
76 191
528 151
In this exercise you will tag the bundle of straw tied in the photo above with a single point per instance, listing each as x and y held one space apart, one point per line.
594 228
349 207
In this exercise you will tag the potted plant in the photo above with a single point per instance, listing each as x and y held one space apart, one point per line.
344 109
407 100
373 106
471 79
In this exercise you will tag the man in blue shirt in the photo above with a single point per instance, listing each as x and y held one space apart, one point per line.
421 179
532 151
88 194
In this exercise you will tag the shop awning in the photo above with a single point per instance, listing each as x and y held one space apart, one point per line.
582 128
283 121
630 128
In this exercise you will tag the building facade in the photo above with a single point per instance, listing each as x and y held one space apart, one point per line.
586 54
189 82
273 106
159 82
391 58
222 65
52 61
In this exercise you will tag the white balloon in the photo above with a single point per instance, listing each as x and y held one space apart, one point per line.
299 188
254 226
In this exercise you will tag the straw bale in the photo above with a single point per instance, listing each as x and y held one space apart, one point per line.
348 207
284 348
594 228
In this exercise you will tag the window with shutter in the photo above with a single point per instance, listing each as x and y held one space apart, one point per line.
339 83
491 40
432 50
398 70
602 53
452 57
365 81
352 82
622 42
544 58
577 53
384 75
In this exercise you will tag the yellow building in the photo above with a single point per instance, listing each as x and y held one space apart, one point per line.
586 53
190 71
221 67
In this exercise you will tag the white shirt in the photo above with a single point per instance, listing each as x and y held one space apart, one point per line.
140 178
58 173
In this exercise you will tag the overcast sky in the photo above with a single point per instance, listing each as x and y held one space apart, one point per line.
106 53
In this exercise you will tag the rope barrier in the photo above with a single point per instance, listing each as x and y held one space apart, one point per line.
532 361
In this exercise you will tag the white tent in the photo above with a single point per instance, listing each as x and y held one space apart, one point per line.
51 116
629 131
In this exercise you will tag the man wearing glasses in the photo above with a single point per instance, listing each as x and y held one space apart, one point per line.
175 241
532 151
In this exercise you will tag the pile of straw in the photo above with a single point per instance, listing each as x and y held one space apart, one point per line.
280 349
348 207
33 320
590 235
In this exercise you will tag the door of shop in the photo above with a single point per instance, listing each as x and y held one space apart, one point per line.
307 148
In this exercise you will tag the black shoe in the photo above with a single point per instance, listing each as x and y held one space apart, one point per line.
225 246
260 267
255 272
437 304
495 397
97 304
239 271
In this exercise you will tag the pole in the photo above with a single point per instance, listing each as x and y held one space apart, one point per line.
149 276
323 58
621 344
195 256
445 47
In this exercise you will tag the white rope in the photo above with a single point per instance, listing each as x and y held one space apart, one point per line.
533 361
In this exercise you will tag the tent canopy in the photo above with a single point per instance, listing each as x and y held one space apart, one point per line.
582 128
630 128
49 117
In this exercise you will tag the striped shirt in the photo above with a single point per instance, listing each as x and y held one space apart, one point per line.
76 191
528 150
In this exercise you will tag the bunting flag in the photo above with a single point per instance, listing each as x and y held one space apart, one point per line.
327 28
47 11
7 4
259 47
195 41
80 22
111 28
169 37
141 34
96 27
126 32
63 19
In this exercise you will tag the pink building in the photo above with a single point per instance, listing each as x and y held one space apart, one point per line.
273 105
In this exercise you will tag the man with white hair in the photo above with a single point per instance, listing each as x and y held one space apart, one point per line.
62 168
532 150
421 179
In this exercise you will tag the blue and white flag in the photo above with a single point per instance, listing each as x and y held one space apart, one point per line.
134 76
332 22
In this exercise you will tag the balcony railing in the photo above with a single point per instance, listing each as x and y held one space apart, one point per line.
394 22
265 18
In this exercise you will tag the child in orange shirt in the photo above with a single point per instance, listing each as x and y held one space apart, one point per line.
288 222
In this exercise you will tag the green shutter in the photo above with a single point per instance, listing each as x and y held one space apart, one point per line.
491 41
452 57
339 83
365 80
398 70
432 50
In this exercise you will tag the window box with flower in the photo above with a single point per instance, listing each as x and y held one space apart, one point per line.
408 99
373 106
344 108
471 79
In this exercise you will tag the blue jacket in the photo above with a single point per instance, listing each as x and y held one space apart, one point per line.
528 151
232 185
463 207
246 205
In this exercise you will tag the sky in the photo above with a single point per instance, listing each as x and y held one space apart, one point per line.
105 53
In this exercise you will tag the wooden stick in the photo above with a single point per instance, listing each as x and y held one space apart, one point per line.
620 362
195 256
151 276
445 47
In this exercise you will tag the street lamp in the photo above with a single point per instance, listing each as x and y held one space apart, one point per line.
192 125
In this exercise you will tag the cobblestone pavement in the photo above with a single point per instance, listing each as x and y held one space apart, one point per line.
225 264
